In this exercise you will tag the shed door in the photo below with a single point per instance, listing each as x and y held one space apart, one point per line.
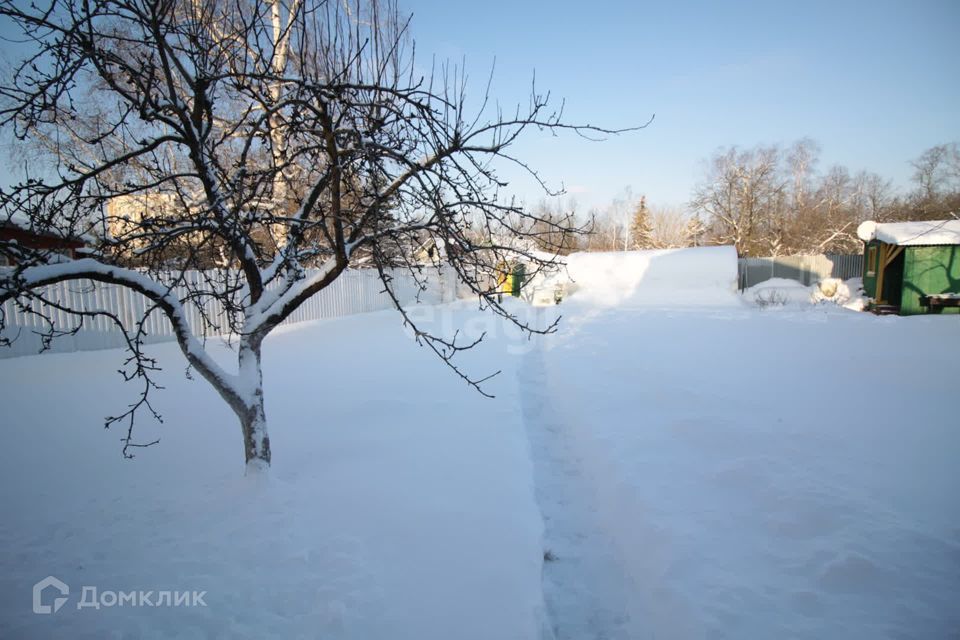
893 280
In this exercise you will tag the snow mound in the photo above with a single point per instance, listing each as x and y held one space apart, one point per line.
779 292
783 292
667 277
845 293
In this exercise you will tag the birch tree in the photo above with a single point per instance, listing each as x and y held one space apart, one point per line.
291 137
671 228
937 176
739 196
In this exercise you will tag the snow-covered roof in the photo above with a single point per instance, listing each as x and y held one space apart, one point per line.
907 234
23 222
16 219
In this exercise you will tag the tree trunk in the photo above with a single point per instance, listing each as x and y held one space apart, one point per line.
256 441
253 419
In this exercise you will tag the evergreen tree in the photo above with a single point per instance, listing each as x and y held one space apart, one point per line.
641 230
695 230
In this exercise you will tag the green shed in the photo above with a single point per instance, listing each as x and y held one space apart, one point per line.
912 267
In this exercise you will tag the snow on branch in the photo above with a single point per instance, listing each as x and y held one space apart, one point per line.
245 155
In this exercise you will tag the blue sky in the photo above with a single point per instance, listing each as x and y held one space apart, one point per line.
875 83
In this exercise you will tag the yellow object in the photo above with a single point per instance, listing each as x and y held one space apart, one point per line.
504 278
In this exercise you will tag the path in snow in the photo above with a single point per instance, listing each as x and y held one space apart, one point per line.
583 584
724 473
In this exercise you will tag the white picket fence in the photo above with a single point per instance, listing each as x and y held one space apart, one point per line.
355 291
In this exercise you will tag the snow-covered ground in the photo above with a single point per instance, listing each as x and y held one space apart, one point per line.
400 503
777 293
684 465
759 475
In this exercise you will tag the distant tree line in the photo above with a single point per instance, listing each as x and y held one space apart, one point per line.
773 201
769 200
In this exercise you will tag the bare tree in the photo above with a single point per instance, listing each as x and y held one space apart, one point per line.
610 227
555 216
741 195
605 234
835 215
281 136
801 158
929 171
771 202
671 228
937 175
874 197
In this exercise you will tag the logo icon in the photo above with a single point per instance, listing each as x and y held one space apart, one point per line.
38 589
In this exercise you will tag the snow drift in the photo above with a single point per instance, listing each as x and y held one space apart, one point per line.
784 293
667 277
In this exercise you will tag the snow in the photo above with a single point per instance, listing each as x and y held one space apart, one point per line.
849 294
756 475
26 223
778 292
17 219
650 471
142 283
783 293
926 232
399 505
273 300
666 277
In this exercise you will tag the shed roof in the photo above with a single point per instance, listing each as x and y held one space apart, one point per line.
23 222
926 232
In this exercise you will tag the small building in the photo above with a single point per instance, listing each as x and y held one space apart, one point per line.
18 229
912 267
